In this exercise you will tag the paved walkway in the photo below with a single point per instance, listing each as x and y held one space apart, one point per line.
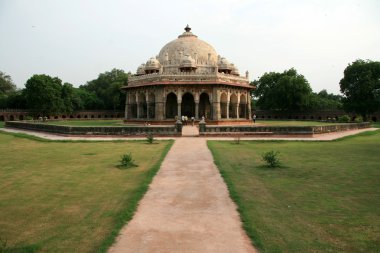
187 208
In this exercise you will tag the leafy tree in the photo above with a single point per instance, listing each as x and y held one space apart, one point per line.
88 100
325 101
6 84
361 87
283 91
43 94
107 88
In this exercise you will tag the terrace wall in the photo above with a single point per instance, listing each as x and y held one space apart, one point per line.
101 130
279 130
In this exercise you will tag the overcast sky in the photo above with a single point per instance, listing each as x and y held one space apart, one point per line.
76 40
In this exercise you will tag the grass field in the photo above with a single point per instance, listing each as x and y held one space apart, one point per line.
2 123
324 198
70 196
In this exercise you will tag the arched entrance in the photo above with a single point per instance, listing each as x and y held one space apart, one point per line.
151 106
1 118
188 105
233 106
171 106
204 106
142 106
223 105
243 107
133 105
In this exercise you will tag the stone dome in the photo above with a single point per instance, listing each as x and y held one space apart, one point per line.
234 70
224 64
188 44
188 62
152 64
141 69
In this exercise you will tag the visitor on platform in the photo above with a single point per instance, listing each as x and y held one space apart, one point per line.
192 120
183 119
254 118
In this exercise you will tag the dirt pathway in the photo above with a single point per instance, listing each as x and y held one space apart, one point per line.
186 209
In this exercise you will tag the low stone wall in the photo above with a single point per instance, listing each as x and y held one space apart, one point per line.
279 130
101 130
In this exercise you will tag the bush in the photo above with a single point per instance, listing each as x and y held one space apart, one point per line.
358 119
344 119
150 138
127 160
271 158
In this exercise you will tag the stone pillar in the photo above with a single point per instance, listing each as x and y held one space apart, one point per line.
147 104
137 106
249 106
196 109
126 113
159 104
237 110
215 104
228 110
179 110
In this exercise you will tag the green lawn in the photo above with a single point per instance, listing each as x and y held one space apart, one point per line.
87 123
324 198
291 123
70 196
2 124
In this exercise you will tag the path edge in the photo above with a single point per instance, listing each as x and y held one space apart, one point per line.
127 215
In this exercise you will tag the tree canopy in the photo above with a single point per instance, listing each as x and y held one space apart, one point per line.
6 84
283 91
44 94
107 89
361 87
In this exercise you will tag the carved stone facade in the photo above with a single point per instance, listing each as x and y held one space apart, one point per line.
188 78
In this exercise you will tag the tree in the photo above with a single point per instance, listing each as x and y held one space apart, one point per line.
283 91
325 101
107 88
44 95
361 87
6 84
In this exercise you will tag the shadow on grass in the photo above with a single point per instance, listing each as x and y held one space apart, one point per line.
124 167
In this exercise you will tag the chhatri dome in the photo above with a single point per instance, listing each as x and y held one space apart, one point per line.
188 78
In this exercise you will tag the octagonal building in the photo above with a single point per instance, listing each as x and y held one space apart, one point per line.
188 78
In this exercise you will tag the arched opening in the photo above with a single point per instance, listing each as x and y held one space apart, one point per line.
205 106
188 105
92 116
99 116
243 107
233 106
21 117
55 117
374 119
133 106
171 106
151 105
1 118
63 116
11 118
71 116
223 105
142 106
78 116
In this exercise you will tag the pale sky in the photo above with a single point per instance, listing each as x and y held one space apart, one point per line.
76 40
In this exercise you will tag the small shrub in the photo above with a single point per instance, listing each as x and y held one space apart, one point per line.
150 138
271 158
127 160
344 119
358 119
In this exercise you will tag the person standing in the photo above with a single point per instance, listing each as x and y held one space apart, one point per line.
254 118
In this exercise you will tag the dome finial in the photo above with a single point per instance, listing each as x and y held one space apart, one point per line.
187 28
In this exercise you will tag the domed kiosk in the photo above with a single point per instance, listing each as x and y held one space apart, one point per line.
188 78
